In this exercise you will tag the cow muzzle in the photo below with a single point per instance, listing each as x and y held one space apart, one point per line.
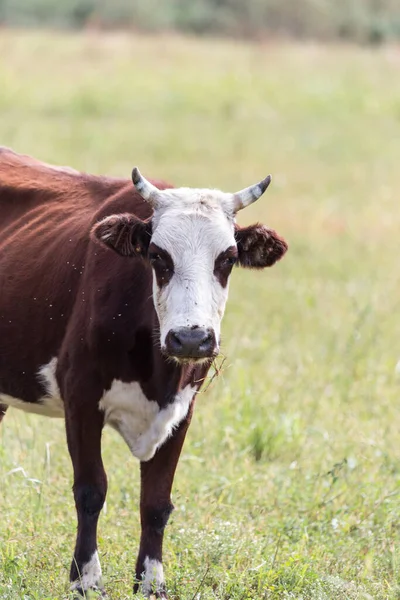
191 343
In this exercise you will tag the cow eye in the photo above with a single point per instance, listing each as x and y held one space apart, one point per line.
227 262
154 257
223 266
159 263
230 261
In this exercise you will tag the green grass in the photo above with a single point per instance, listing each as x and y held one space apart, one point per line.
288 486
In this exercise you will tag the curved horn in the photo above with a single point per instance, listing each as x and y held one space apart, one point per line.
250 194
147 190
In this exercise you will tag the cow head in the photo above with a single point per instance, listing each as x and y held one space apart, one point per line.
192 243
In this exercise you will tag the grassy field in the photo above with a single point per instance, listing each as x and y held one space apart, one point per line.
288 486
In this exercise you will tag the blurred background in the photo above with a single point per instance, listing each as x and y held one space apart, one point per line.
288 486
368 21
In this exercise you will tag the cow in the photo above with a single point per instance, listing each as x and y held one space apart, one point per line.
112 293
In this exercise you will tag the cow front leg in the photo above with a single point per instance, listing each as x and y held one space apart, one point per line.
157 476
84 428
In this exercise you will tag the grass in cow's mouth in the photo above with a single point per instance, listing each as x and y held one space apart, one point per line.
216 369
288 485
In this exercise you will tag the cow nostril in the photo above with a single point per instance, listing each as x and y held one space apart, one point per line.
207 341
174 341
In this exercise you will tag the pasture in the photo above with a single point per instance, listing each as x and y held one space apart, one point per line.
288 485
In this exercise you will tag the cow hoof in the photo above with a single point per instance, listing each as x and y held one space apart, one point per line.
159 595
91 594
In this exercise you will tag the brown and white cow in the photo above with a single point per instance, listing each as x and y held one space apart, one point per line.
111 299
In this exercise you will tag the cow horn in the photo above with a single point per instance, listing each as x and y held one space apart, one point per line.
147 190
250 194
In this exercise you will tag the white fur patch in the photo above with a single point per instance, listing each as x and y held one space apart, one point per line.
50 405
194 227
140 421
47 374
152 577
90 576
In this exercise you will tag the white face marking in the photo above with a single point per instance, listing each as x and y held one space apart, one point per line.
194 227
152 577
51 405
90 576
141 422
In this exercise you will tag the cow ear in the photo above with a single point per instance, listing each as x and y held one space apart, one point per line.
126 234
258 246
